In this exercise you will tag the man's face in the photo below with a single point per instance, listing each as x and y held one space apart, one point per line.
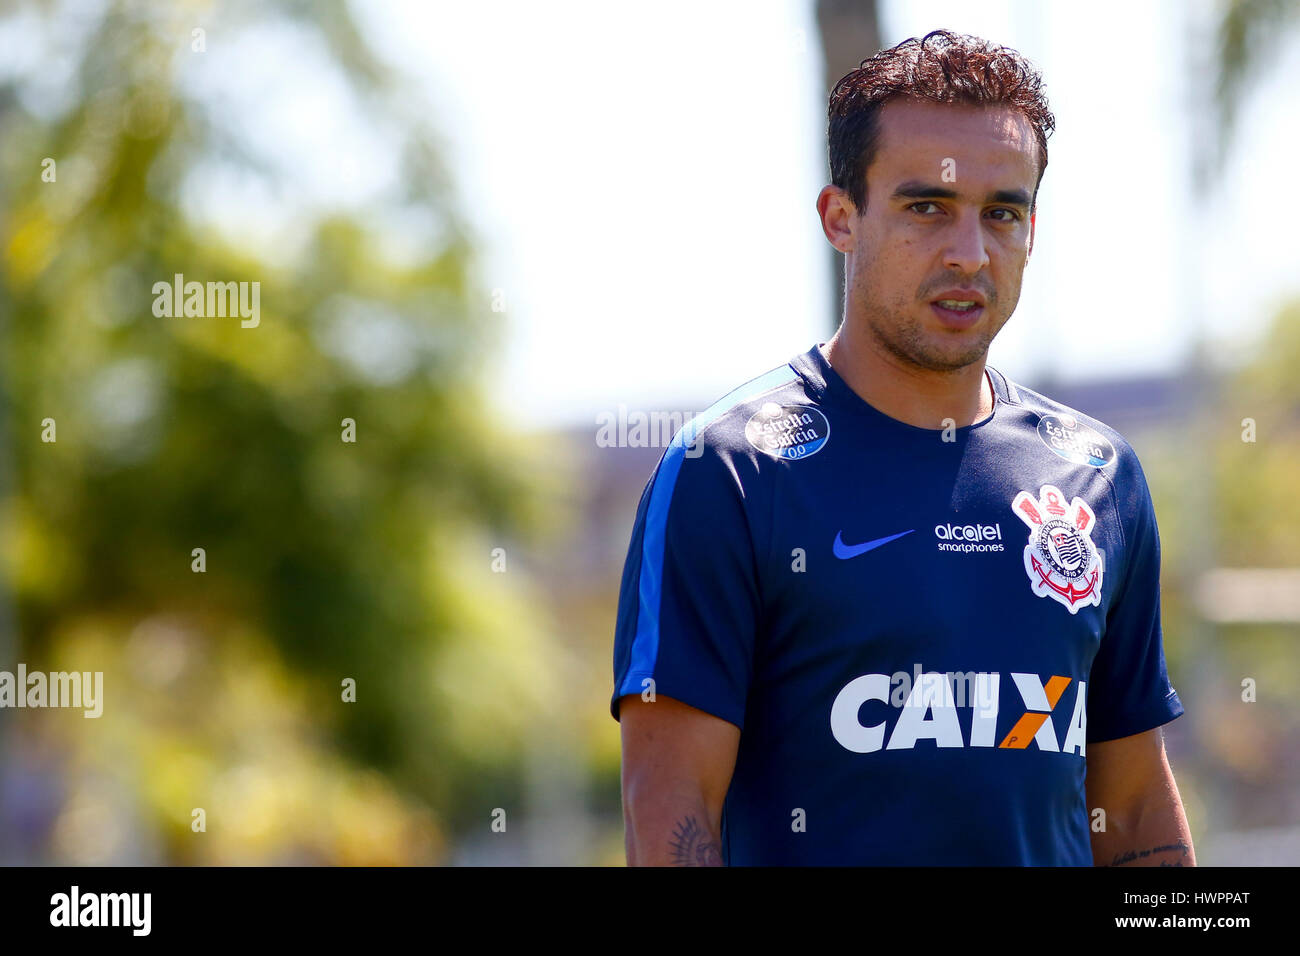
947 218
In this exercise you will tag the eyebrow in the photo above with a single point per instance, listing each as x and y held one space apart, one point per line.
919 190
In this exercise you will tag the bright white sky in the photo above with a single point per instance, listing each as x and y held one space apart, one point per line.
642 180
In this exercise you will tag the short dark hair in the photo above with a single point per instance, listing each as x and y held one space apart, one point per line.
940 67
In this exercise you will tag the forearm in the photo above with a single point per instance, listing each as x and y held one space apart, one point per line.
1152 832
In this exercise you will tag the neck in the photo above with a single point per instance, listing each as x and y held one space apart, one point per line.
916 396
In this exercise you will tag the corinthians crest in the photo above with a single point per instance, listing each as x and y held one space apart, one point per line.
1060 558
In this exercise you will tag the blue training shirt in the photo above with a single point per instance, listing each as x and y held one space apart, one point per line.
917 632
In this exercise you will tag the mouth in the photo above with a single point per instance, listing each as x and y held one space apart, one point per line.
958 308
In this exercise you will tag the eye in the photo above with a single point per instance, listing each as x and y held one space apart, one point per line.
916 206
1012 215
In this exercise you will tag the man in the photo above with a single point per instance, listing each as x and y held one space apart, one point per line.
882 605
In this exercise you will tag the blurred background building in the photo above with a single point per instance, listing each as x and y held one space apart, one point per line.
480 231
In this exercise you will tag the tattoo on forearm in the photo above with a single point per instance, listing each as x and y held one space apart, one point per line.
1133 856
692 846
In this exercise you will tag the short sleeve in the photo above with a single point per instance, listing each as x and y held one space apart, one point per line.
688 603
1129 690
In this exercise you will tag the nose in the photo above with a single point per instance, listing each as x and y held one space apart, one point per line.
966 251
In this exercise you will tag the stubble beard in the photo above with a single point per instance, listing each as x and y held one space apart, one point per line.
892 330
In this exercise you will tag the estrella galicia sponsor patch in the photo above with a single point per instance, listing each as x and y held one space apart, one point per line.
788 432
1074 441
1060 558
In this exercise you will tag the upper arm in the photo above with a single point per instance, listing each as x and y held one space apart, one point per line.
1123 772
687 629
674 751
1144 824
1129 691
689 603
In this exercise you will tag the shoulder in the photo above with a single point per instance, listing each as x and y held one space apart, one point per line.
730 428
1086 441
708 475
1076 435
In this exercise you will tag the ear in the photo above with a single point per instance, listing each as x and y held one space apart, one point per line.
1033 219
837 213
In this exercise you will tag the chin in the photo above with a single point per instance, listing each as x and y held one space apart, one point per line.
950 359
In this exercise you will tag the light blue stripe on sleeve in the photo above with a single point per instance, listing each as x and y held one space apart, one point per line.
645 645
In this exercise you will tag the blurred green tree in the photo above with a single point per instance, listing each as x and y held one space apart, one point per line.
367 560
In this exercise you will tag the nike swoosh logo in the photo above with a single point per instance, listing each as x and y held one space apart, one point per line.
846 551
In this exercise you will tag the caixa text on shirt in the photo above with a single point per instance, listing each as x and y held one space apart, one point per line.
931 713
